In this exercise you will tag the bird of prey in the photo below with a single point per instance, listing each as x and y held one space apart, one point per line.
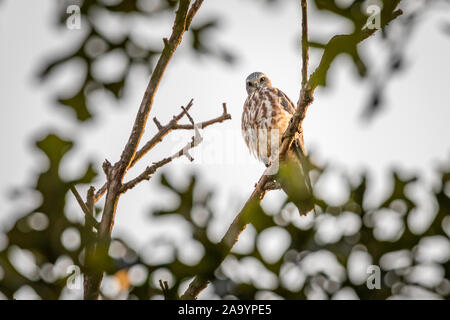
266 115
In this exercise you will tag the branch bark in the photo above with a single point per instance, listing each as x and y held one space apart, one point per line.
90 242
305 47
89 217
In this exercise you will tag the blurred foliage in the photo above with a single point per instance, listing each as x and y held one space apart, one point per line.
102 38
357 13
39 230
42 245
306 241
42 235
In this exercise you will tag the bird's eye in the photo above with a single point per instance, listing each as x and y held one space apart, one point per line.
249 84
262 79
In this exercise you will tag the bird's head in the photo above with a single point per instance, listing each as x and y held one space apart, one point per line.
255 81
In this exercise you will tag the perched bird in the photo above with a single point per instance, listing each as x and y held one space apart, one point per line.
266 115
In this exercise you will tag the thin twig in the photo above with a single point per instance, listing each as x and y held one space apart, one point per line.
164 288
147 173
90 240
305 48
89 218
90 204
192 11
164 130
202 125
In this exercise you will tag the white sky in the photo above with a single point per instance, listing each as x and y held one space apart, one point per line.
411 133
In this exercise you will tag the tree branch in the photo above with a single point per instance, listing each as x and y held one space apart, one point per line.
90 240
192 11
116 173
195 141
239 223
87 214
164 289
305 48
164 130
170 46
225 116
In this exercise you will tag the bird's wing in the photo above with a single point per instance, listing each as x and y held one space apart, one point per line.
285 102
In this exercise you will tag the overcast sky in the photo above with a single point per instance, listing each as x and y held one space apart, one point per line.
412 132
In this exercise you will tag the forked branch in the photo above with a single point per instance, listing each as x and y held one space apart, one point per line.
84 207
166 129
146 174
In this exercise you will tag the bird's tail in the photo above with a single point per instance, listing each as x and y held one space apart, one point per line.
294 179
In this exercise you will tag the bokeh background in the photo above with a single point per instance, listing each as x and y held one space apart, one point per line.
378 137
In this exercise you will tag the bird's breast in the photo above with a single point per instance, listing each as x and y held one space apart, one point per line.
263 123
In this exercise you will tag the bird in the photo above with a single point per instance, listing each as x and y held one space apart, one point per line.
266 115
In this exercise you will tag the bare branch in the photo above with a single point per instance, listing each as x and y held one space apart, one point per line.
230 238
170 46
225 116
87 214
164 130
90 240
306 97
146 175
305 48
164 288
90 201
158 124
99 194
344 43
107 167
192 11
